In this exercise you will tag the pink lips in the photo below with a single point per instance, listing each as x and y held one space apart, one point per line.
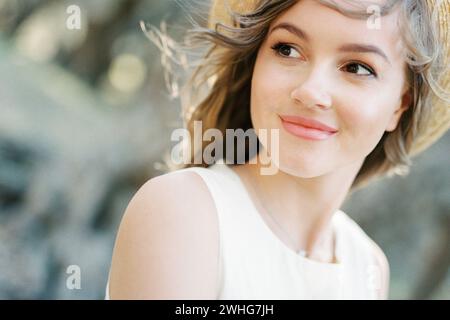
307 128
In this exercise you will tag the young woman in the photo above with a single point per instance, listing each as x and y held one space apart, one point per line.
353 89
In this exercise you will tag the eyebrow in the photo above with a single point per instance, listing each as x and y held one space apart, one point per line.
350 47
292 29
363 48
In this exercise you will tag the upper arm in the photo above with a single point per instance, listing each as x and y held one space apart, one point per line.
167 243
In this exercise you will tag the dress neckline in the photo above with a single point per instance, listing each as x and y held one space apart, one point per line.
268 231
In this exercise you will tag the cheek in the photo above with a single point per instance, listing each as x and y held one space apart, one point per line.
364 119
269 88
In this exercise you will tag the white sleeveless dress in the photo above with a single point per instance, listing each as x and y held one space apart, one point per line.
255 264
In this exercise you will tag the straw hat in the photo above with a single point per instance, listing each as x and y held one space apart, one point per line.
440 118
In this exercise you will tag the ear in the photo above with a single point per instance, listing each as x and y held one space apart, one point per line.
404 104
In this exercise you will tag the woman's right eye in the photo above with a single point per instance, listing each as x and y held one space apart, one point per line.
285 50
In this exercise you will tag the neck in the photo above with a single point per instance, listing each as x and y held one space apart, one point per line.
302 206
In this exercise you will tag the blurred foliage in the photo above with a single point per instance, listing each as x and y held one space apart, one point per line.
85 119
109 51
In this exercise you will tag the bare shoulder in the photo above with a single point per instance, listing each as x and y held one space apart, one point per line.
167 243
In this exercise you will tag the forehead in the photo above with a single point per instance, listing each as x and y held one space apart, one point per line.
323 24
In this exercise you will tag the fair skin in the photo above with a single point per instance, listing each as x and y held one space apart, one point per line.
167 249
313 79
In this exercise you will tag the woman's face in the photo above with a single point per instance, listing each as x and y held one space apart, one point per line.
318 64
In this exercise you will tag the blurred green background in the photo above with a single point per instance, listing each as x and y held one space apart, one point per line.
85 119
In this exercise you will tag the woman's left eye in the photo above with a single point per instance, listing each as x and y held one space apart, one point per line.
359 69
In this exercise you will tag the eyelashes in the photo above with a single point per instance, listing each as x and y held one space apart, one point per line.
280 45
361 65
351 67
276 47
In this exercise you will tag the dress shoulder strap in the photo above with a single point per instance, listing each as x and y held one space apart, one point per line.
359 255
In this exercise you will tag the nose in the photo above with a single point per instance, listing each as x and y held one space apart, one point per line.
312 91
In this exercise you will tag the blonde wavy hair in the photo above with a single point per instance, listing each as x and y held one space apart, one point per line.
217 90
